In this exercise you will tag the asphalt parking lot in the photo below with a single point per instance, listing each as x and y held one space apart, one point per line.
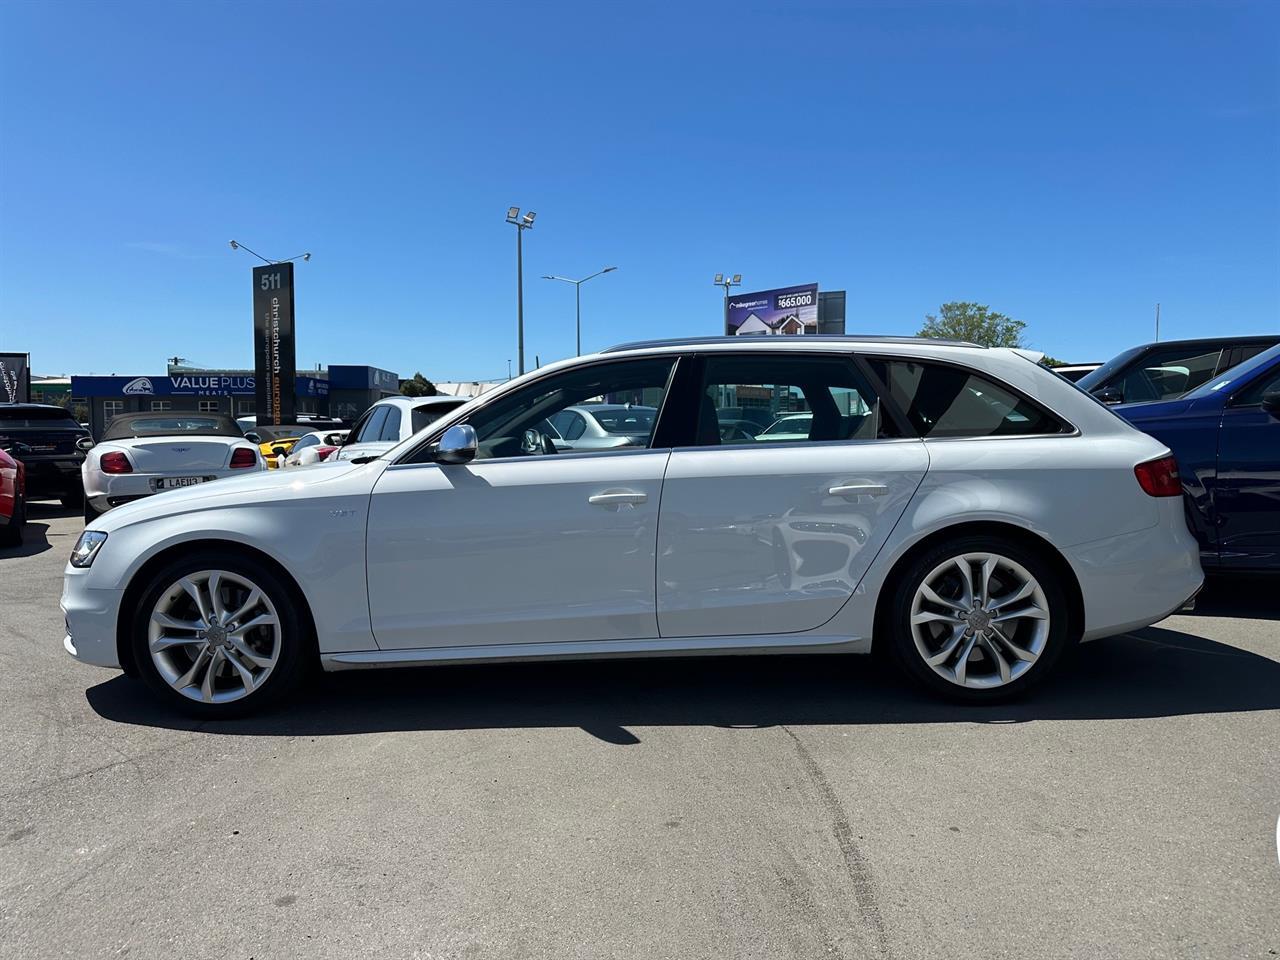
753 807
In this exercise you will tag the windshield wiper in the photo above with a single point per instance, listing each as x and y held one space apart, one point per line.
367 459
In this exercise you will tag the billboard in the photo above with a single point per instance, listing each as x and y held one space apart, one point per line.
187 385
273 344
15 378
785 311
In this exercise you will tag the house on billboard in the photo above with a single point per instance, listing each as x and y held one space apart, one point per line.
755 325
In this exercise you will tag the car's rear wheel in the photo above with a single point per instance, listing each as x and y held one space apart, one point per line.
220 635
979 619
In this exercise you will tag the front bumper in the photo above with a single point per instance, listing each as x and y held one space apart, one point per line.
90 616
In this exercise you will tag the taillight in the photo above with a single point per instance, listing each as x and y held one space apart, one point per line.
322 453
243 457
1159 478
115 463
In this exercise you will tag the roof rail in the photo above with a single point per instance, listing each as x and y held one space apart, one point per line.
810 338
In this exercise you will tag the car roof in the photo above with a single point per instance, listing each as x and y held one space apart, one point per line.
32 406
1211 341
412 403
797 342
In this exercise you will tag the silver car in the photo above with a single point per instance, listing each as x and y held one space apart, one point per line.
603 426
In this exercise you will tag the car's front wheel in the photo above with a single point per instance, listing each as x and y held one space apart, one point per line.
219 635
979 619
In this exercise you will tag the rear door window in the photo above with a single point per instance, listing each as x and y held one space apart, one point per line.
391 426
767 399
371 429
945 401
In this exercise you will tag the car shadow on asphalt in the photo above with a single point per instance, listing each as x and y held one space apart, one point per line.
1250 596
35 532
1150 673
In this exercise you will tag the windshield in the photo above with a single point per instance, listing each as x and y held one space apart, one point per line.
169 425
626 421
20 417
798 424
283 432
1096 378
1237 374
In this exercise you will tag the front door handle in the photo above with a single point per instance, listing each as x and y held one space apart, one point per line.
862 489
617 498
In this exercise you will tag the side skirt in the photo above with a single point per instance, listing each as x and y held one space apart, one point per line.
580 650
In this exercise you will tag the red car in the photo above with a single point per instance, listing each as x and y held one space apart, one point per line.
13 500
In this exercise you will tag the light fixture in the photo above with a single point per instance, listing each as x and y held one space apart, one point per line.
737 278
306 258
719 276
513 214
528 217
234 245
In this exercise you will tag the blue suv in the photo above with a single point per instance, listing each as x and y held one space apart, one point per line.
1226 437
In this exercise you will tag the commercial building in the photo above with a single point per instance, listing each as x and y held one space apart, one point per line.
343 391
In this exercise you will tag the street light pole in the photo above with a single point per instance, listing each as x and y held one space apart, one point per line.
577 289
726 281
521 224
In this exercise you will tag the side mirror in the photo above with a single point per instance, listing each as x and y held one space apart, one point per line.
1271 403
15 448
1110 395
278 451
253 437
84 444
458 445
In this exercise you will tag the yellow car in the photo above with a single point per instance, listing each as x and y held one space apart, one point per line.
276 442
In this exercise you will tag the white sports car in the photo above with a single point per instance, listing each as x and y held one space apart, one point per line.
962 507
141 454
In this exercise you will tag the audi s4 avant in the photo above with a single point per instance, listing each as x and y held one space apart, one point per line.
963 507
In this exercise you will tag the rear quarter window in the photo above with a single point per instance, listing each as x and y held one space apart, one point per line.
945 401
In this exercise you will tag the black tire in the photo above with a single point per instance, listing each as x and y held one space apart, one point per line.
11 533
73 500
901 643
90 512
296 643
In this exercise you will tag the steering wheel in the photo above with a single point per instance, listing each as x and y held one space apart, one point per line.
535 443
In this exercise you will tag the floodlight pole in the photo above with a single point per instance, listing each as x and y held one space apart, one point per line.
521 224
726 280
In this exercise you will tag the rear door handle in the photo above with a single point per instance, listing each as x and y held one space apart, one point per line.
617 498
858 490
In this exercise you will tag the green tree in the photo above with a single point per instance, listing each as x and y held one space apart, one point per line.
419 386
974 322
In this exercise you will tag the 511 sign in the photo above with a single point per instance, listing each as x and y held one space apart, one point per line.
273 343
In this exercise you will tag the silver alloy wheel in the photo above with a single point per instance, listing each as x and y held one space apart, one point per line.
980 620
214 636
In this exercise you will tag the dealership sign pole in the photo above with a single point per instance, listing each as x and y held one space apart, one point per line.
273 343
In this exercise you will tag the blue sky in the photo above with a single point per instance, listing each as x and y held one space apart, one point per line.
1069 164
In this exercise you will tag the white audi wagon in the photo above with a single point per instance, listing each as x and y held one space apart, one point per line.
963 507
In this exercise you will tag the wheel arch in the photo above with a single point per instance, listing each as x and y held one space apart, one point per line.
1021 535
142 576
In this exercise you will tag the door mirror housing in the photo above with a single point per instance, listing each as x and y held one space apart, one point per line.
84 444
458 445
1271 403
1110 395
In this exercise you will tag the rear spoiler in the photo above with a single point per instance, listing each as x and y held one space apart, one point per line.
1035 356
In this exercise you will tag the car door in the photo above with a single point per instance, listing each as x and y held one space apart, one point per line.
1246 497
526 543
773 537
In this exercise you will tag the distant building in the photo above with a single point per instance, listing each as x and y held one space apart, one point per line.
343 391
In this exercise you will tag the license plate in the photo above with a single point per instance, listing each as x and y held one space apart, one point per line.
172 483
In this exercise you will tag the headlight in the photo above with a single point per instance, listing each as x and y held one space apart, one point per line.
86 548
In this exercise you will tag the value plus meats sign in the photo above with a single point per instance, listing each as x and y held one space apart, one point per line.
273 345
